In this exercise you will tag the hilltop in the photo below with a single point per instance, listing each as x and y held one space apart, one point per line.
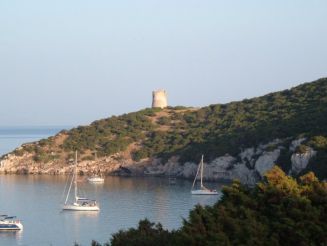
239 139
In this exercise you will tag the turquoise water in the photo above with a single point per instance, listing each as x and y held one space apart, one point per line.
36 200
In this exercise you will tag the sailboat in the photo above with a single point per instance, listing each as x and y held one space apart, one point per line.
96 179
203 190
79 203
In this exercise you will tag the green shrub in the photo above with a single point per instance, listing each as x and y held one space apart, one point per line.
277 211
318 142
19 152
163 120
139 154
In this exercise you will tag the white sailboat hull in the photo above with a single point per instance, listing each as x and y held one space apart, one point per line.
73 207
96 180
204 192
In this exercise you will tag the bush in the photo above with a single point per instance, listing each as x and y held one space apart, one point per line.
139 154
19 152
318 143
278 211
147 234
163 120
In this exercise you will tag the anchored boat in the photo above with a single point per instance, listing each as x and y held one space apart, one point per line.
203 190
96 179
10 223
79 203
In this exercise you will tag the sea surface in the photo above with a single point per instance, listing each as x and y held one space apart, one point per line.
13 137
37 200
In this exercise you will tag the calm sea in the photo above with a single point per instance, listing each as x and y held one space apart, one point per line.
13 137
36 200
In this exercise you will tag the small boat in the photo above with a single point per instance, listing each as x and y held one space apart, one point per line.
203 190
10 223
95 179
79 203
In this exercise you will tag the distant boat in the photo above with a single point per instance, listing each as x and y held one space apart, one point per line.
96 179
10 223
203 190
80 203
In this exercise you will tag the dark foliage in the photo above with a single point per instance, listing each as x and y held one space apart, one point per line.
278 211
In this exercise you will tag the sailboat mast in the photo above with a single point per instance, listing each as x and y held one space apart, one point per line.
75 176
197 172
201 171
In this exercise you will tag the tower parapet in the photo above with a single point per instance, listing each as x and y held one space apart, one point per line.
159 99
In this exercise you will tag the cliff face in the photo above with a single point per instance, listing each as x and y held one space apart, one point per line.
249 166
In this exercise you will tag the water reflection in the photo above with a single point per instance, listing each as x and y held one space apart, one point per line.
9 236
77 215
123 202
76 222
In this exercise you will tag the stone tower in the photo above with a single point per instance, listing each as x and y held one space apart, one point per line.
159 99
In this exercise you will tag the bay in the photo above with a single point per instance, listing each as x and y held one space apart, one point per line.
36 200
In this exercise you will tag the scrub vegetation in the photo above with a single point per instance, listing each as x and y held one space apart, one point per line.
213 130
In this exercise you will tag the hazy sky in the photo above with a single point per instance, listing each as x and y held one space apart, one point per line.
70 62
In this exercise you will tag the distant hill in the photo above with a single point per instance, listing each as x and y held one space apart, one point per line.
214 131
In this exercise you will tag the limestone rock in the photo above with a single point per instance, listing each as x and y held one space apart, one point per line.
266 161
219 168
300 161
189 170
295 143
243 174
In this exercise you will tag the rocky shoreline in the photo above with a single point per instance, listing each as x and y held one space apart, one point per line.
248 167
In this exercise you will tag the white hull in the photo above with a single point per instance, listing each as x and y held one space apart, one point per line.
80 208
204 192
96 180
11 226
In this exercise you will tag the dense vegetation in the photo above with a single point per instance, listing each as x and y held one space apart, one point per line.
278 211
213 130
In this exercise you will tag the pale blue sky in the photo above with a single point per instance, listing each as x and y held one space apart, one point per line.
70 62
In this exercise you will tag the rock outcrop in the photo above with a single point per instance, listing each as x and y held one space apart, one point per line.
249 166
301 160
266 161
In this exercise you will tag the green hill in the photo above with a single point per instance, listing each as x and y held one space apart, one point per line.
213 130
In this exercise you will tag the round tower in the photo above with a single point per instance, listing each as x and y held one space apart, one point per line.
159 99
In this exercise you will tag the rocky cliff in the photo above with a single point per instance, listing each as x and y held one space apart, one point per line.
248 166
